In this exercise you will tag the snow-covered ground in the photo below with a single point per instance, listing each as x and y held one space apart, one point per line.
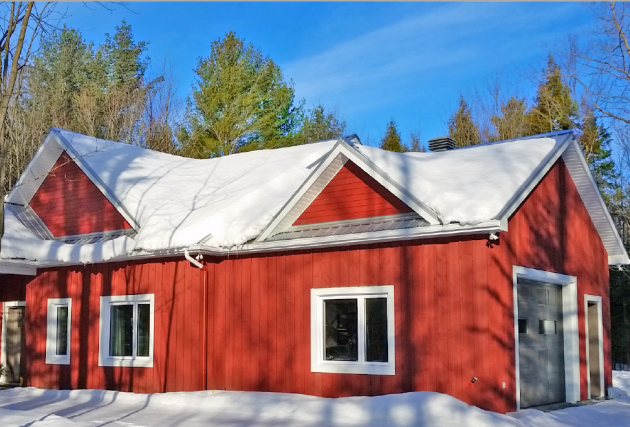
50 408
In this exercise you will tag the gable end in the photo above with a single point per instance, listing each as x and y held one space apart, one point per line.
69 203
351 194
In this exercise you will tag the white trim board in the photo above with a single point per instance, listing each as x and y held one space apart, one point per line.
3 341
600 326
569 324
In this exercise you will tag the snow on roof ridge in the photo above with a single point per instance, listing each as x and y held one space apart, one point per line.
520 138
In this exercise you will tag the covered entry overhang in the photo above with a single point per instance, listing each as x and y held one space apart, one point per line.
568 286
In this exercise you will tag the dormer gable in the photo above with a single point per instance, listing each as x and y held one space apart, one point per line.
351 195
69 203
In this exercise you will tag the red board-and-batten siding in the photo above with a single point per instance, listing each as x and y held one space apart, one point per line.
351 194
453 318
69 203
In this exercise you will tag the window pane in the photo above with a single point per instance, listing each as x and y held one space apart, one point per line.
522 326
341 329
121 330
62 331
376 329
144 330
547 327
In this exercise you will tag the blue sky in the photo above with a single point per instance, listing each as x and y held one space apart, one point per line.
369 61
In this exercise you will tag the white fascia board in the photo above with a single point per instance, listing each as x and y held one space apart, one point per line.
341 150
528 186
618 259
371 237
37 170
109 195
7 267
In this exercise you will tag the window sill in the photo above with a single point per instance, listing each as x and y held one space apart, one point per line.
58 360
354 368
144 362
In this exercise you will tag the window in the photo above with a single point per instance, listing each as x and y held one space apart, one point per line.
352 330
58 331
126 331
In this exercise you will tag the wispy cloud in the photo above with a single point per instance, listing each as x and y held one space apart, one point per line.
376 68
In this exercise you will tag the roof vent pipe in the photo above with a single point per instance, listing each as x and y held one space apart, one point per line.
441 143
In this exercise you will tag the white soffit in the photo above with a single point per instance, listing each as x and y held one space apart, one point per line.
594 203
324 173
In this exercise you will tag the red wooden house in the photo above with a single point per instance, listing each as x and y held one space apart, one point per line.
329 269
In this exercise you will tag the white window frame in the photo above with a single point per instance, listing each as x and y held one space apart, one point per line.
104 359
318 363
52 358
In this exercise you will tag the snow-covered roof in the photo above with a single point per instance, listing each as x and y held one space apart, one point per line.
226 203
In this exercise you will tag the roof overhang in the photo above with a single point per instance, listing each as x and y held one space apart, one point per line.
22 268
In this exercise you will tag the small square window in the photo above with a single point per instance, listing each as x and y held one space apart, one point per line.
126 331
58 320
547 327
352 330
522 326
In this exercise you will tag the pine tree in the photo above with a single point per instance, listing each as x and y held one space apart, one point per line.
462 127
595 141
553 109
320 126
241 102
414 144
391 140
512 122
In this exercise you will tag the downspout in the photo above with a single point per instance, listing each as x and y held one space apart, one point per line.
192 260
204 352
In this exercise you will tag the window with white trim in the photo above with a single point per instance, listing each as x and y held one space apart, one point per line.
58 320
126 331
352 330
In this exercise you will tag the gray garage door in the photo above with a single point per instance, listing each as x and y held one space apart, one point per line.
541 344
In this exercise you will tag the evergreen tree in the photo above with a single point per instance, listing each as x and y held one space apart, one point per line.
102 92
415 145
241 102
391 140
553 109
320 126
512 121
462 127
595 141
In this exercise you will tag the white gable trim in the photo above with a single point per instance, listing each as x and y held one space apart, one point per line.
41 164
589 193
324 173
37 170
541 170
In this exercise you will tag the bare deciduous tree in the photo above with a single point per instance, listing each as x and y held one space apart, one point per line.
20 26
